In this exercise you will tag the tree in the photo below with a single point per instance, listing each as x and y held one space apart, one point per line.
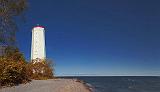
14 54
9 9
12 64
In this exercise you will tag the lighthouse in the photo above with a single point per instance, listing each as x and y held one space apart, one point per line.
38 51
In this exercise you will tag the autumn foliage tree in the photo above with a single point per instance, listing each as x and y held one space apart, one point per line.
40 70
15 70
9 9
13 67
12 63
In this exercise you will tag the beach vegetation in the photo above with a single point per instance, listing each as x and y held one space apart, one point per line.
15 70
40 69
12 68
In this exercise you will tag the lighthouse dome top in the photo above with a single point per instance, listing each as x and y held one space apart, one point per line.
38 27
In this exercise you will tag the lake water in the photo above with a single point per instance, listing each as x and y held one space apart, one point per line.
123 83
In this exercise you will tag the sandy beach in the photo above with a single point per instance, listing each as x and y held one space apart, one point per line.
52 85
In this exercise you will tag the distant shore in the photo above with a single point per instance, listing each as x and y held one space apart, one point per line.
51 85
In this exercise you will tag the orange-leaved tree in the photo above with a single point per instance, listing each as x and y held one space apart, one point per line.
43 69
13 67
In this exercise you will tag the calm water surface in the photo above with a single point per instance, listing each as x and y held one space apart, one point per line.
123 84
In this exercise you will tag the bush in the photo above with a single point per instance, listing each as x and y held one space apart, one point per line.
40 70
12 68
15 70
13 54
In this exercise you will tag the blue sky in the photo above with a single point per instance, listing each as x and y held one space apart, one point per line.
96 37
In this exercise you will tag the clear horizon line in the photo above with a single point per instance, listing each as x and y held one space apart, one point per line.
103 75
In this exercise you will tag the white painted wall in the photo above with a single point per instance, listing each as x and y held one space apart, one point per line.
38 43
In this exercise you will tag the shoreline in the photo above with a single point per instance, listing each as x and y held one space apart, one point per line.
86 85
51 85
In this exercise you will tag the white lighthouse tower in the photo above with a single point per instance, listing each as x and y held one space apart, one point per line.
38 51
